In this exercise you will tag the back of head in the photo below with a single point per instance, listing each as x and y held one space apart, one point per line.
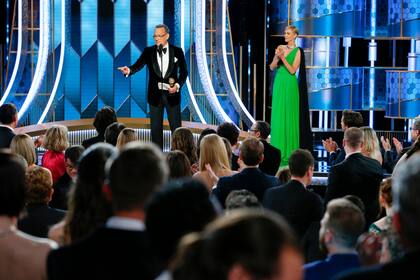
352 118
353 137
385 191
344 220
104 118
126 135
229 131
283 174
183 140
213 152
12 185
264 129
22 144
299 162
370 140
181 207
134 174
179 165
39 185
74 153
251 239
356 201
406 200
112 132
241 199
56 138
251 151
8 113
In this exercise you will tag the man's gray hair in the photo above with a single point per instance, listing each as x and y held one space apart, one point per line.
416 123
167 30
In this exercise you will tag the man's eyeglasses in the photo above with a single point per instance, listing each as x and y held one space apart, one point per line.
159 36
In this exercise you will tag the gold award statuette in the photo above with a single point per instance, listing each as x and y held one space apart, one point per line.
171 82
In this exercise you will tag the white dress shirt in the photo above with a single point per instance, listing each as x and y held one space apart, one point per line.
116 222
165 59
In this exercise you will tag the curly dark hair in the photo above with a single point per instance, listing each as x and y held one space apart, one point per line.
103 118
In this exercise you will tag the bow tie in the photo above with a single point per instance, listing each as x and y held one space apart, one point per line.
163 50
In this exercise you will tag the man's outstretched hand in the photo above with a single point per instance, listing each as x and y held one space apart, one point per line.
124 69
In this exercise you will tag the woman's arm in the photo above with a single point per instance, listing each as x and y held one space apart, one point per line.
276 58
291 68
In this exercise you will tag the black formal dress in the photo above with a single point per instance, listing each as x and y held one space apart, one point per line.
159 99
296 204
6 136
96 139
250 179
272 159
357 175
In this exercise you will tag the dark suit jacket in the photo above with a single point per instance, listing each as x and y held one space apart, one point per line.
6 136
405 268
96 139
272 158
107 254
39 219
357 175
61 191
251 179
177 70
336 157
296 204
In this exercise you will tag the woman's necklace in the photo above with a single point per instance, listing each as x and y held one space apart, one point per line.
290 47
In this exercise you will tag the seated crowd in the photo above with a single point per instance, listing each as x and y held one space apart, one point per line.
119 208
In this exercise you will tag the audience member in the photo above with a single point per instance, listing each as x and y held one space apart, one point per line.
288 199
112 132
103 119
203 133
250 178
39 216
182 139
21 256
22 144
357 175
406 214
228 150
241 199
213 162
356 201
341 225
370 146
415 148
8 122
243 245
55 142
231 133
181 207
348 120
283 174
126 135
120 249
64 184
179 165
272 155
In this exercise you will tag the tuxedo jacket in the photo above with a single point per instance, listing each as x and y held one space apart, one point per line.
6 136
296 204
177 69
250 179
106 254
357 175
272 158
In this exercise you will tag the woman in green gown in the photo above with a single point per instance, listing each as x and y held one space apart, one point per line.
289 126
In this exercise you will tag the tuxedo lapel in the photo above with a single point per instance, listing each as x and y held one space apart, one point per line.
155 63
171 62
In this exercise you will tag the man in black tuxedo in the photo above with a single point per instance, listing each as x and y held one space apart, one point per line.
251 153
356 175
8 122
165 82
272 155
120 249
406 217
293 201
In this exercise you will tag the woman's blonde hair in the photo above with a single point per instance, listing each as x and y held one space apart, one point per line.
22 144
56 138
371 144
126 135
293 28
213 152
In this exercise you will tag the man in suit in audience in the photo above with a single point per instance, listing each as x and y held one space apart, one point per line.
103 119
8 122
293 201
356 175
349 119
121 248
251 178
405 218
341 226
231 133
272 155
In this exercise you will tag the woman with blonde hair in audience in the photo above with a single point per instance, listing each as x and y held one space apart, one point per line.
370 147
22 144
55 142
126 135
183 140
214 162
